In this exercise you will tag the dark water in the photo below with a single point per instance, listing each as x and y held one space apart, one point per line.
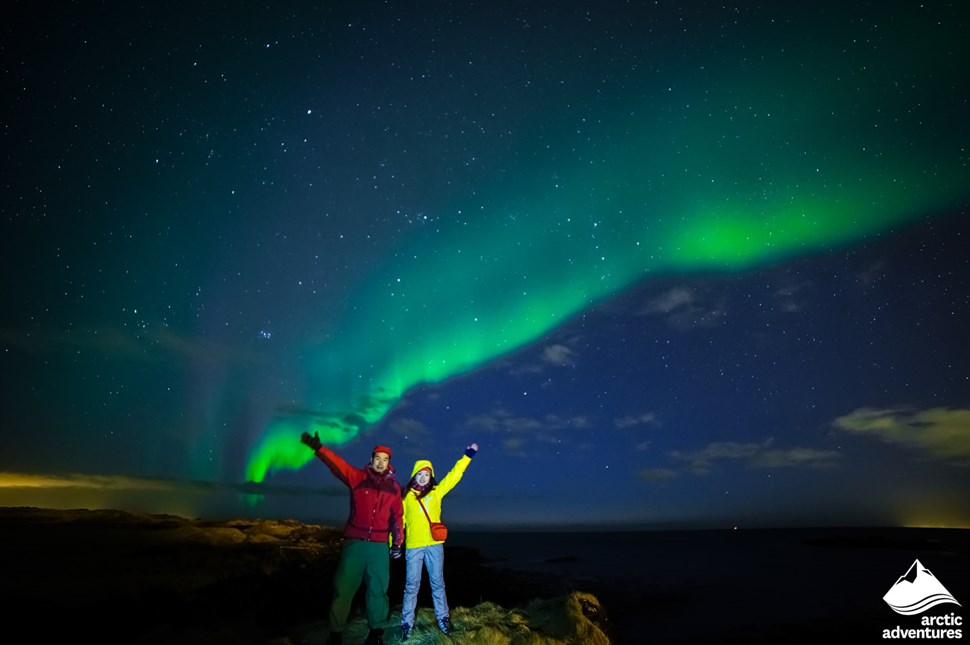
757 586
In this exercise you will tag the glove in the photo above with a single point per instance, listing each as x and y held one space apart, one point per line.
395 552
471 450
313 442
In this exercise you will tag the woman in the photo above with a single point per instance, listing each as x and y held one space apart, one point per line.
422 505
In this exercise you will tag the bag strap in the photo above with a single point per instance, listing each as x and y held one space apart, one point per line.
423 509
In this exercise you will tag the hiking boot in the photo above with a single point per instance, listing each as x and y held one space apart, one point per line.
375 637
335 638
445 626
405 631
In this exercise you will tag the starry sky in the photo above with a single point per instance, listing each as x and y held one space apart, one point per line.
670 264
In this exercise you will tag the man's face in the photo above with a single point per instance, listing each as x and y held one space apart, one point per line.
380 461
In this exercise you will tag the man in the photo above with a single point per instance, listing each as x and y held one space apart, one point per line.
375 513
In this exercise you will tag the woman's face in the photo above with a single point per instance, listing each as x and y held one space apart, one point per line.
422 477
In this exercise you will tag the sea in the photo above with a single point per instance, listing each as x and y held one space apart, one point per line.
742 586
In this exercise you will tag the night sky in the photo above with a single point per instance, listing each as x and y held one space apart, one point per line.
670 264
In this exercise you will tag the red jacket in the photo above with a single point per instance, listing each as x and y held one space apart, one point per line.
375 500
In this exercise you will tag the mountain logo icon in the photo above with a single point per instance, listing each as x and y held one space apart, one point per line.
917 591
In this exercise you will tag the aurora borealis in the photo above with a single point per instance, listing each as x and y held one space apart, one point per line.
576 235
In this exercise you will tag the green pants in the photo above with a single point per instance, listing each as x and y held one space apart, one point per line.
366 562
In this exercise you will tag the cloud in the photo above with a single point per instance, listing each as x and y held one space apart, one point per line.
521 429
409 428
558 355
107 341
794 458
647 418
116 482
169 496
514 446
655 475
501 420
125 483
677 298
152 344
756 455
787 298
941 433
871 274
683 309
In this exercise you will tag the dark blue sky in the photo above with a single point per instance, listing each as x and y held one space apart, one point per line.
668 264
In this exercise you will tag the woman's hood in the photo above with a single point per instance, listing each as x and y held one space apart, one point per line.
422 463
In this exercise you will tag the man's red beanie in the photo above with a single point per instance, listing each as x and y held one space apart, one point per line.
384 449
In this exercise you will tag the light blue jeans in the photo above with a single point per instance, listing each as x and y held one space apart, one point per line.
433 559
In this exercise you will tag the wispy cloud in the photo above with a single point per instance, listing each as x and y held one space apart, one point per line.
558 354
501 420
942 433
514 446
675 299
555 355
409 428
103 340
152 344
756 455
520 430
78 481
871 274
644 419
788 298
656 475
684 309
187 498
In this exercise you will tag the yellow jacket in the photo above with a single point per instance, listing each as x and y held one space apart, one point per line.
417 531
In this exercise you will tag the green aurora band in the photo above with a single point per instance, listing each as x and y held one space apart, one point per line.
726 171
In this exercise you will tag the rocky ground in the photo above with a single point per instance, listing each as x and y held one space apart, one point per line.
122 577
